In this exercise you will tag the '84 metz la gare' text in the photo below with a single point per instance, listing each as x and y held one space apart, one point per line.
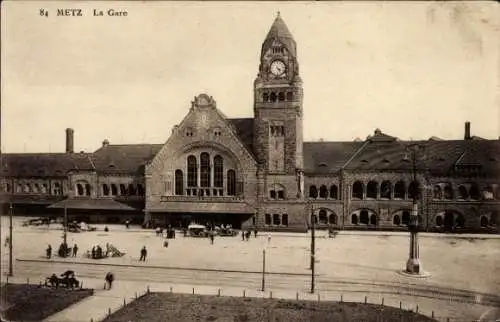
77 12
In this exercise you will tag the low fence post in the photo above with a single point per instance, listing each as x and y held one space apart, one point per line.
297 296
243 293
193 290
341 298
382 301
365 299
433 314
271 295
400 305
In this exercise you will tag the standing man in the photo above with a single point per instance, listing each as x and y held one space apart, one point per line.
109 280
75 250
127 223
144 253
49 252
212 237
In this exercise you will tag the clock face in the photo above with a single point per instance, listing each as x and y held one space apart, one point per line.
278 68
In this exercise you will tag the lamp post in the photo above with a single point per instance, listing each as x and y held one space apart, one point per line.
11 267
313 248
413 265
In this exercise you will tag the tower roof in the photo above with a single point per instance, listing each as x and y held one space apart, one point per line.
279 29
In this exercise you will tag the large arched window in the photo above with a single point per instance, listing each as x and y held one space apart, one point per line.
334 193
322 216
313 192
371 189
205 169
323 191
192 180
463 193
123 190
105 190
385 190
231 182
114 190
357 190
131 189
218 171
363 217
399 190
179 182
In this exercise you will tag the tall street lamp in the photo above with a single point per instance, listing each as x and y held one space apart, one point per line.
11 267
413 265
313 248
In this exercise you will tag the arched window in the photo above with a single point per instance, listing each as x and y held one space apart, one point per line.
334 193
357 190
437 192
396 220
79 189
231 183
284 220
414 190
474 192
354 219
385 190
332 219
179 182
218 171
123 190
281 96
322 216
276 220
114 190
406 217
140 190
105 190
313 192
448 192
484 221
192 179
449 220
462 192
57 189
205 169
363 217
267 219
88 189
371 189
373 220
399 190
131 189
273 97
323 191
265 97
439 221
289 96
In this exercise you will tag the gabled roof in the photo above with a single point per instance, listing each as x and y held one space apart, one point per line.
44 164
328 157
126 158
244 131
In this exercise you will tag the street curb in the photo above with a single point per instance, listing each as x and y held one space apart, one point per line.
162 267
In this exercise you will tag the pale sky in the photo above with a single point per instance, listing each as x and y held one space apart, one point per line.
412 69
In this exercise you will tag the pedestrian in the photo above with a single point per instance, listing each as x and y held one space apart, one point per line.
109 280
93 252
165 243
247 235
49 252
255 232
269 237
127 223
144 253
212 238
75 250
242 235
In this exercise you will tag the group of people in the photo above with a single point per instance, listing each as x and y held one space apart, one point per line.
246 234
64 250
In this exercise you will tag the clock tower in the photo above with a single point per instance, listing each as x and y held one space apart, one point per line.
278 105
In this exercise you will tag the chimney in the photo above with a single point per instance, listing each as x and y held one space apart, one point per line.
69 140
467 131
105 143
